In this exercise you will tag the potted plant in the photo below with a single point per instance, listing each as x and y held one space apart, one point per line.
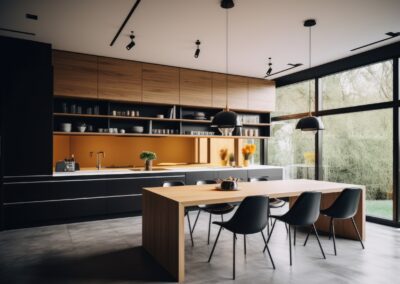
148 157
231 159
248 150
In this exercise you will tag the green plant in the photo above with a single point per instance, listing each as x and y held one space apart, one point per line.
148 156
231 157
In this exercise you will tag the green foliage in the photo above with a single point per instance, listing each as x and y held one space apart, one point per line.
148 156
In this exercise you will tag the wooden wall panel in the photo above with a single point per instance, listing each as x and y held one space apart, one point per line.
261 95
237 92
75 75
160 84
195 88
120 80
219 90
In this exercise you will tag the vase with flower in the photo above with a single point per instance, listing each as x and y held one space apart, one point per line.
248 151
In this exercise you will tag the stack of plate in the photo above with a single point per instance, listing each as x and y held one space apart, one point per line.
199 115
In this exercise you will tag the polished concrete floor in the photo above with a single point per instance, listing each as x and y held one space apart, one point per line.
109 251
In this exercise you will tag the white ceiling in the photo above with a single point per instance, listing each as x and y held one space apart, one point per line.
166 30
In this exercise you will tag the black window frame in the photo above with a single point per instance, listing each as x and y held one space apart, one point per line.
384 53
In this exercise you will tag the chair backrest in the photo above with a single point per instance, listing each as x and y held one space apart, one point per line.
251 216
346 205
173 183
305 211
255 179
206 181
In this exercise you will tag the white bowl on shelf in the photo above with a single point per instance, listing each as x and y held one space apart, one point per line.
66 127
81 128
137 129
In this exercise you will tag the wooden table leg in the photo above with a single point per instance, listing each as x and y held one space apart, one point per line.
163 233
343 228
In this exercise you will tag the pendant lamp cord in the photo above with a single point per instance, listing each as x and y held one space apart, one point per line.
226 58
309 64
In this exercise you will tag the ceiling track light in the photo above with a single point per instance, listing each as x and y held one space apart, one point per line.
269 71
292 65
390 34
132 43
197 52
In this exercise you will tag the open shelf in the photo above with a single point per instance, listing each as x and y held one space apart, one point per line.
131 117
154 135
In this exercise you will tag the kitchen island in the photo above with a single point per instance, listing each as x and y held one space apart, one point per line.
100 194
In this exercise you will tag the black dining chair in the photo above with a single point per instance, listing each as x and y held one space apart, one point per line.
344 207
213 209
180 183
273 202
250 218
304 212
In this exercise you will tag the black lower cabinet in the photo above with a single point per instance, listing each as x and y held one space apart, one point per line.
55 201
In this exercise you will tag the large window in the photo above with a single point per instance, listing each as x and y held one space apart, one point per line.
294 98
366 85
292 149
358 149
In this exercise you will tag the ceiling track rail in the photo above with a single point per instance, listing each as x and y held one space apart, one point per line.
390 34
17 31
125 21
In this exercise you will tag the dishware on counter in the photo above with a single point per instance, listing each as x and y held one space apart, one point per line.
199 115
160 116
137 113
137 129
100 130
66 127
122 131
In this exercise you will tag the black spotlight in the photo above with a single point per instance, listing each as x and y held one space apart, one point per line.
269 71
132 43
197 53
227 4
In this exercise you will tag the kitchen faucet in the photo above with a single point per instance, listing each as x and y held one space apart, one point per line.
99 156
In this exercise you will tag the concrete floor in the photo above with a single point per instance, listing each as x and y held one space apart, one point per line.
109 251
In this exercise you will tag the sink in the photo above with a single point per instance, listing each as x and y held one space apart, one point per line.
154 169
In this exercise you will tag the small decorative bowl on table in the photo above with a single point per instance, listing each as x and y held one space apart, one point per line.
229 184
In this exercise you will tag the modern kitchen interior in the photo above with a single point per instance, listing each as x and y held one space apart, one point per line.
225 141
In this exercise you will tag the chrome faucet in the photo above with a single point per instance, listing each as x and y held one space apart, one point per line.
99 156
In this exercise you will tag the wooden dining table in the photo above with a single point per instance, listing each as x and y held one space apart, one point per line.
163 229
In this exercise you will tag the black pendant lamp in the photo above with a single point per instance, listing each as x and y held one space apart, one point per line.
310 122
225 120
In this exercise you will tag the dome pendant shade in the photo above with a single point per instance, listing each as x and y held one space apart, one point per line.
310 123
227 4
225 119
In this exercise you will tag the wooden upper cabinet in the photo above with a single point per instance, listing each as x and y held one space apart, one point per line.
120 80
195 88
237 92
75 75
219 90
160 84
261 95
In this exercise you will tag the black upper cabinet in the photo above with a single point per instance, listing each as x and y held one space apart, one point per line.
26 102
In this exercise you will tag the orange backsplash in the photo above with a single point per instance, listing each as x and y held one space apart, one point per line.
121 151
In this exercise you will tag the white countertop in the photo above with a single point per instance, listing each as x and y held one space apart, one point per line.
166 170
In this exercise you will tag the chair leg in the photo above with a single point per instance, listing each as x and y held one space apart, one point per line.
320 246
358 233
265 241
244 240
190 228
222 218
234 249
290 246
333 235
215 244
286 226
270 234
294 236
195 221
270 256
308 235
209 230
